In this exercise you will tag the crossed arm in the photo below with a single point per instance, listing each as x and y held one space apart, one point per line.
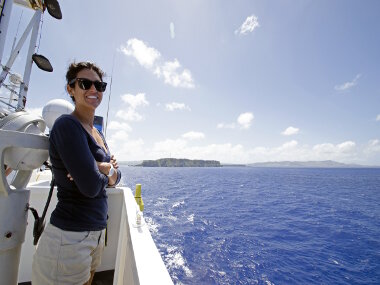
104 167
69 147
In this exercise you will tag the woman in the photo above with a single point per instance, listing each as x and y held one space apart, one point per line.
71 246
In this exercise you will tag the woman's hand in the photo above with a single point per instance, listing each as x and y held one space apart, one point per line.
104 167
114 162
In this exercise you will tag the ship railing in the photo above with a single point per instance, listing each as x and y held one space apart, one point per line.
131 251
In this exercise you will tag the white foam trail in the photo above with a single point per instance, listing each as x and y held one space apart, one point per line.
153 227
191 218
265 279
177 204
161 201
173 218
157 214
174 259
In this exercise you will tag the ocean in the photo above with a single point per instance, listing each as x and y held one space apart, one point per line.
242 225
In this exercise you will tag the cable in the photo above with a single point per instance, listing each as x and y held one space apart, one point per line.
2 8
109 96
41 25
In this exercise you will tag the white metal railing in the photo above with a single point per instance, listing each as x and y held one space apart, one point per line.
138 260
130 250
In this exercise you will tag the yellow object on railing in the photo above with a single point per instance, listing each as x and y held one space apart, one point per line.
138 197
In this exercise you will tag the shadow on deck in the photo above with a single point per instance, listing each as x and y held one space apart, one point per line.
100 278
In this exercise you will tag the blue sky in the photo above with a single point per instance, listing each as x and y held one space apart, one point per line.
237 81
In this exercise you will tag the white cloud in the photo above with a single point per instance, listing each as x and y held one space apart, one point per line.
130 115
331 149
120 136
150 58
248 26
176 106
226 126
126 148
290 131
172 77
229 153
133 102
324 148
172 32
346 146
245 120
348 85
144 54
373 146
371 152
180 148
193 135
116 125
293 151
378 118
169 148
288 145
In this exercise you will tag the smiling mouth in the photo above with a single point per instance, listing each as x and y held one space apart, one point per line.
92 97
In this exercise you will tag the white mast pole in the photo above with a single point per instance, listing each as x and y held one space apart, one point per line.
29 61
4 18
17 49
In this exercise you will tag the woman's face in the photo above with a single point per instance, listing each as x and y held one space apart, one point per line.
90 98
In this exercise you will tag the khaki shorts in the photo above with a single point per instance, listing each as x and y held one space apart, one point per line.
64 257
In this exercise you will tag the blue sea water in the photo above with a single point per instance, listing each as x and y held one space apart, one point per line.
241 225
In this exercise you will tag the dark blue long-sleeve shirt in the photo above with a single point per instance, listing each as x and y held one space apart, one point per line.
82 203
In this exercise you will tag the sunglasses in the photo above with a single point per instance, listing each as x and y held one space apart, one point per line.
86 84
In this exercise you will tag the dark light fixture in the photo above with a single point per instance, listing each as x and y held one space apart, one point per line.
53 8
42 62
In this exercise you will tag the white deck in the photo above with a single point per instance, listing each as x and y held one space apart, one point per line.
130 251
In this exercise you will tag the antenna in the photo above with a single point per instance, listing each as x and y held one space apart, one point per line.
109 97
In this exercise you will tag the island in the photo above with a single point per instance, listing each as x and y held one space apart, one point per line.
179 162
306 164
175 162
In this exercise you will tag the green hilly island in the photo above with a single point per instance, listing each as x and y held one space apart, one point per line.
175 162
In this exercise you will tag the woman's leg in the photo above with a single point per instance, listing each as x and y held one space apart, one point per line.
96 255
91 277
45 265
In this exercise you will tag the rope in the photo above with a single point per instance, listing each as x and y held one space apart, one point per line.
41 25
2 8
18 25
109 96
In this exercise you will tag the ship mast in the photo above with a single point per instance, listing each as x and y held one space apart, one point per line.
39 6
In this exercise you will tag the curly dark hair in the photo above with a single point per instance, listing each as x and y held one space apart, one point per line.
75 68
